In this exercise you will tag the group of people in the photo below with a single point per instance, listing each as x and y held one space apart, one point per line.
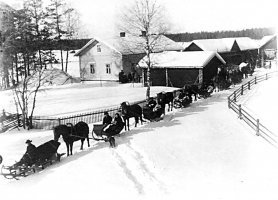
112 125
153 110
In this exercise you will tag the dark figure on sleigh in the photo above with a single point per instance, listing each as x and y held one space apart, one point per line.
153 111
183 99
115 127
39 155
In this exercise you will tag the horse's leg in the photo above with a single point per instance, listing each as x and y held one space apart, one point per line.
128 124
67 144
88 141
82 142
136 121
125 123
71 144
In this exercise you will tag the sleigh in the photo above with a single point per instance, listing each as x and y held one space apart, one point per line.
100 133
152 115
42 156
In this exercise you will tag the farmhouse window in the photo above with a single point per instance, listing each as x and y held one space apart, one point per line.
98 48
108 69
92 68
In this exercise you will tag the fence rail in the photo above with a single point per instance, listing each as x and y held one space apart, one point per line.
9 122
44 122
255 124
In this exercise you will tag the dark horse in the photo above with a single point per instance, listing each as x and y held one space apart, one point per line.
164 98
71 134
129 111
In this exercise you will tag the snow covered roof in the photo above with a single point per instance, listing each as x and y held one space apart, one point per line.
188 59
219 45
133 45
265 40
223 45
184 44
246 43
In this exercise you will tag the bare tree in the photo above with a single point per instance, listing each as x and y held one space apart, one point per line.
26 94
146 22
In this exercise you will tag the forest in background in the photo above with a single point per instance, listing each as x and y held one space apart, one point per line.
254 33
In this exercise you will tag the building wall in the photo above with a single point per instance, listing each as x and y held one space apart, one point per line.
176 77
272 44
130 63
210 70
100 59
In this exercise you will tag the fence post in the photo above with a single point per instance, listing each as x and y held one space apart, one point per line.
265 76
239 111
229 103
258 128
241 89
248 85
235 96
255 79
59 121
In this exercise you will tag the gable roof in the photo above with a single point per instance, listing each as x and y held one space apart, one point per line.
187 59
184 44
262 42
133 45
223 45
219 45
246 43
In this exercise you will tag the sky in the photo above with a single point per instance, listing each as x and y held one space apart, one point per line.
100 16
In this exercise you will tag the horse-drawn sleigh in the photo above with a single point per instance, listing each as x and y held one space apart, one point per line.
32 161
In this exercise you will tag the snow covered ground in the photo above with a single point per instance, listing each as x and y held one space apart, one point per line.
200 152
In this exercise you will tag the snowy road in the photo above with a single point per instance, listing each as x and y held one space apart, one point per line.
200 152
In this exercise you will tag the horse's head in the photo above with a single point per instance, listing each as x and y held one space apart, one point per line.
124 107
64 130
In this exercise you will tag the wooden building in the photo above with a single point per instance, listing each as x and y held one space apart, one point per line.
268 48
177 69
105 59
232 50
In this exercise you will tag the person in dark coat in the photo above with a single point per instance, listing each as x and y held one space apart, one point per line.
151 103
30 147
107 119
116 125
31 150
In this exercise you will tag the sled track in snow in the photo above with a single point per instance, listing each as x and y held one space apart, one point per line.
137 169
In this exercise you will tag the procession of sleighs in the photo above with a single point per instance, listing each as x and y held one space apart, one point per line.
37 158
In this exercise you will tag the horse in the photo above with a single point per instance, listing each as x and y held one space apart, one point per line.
164 98
129 111
71 134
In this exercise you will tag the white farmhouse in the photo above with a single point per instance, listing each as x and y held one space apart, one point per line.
105 59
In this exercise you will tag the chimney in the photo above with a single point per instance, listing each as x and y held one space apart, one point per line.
143 33
122 34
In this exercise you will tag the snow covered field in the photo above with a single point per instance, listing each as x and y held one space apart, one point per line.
200 152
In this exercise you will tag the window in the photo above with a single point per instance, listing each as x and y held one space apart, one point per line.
98 48
92 68
108 69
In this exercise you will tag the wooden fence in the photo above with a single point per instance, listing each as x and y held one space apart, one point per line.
44 122
9 122
255 124
40 122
